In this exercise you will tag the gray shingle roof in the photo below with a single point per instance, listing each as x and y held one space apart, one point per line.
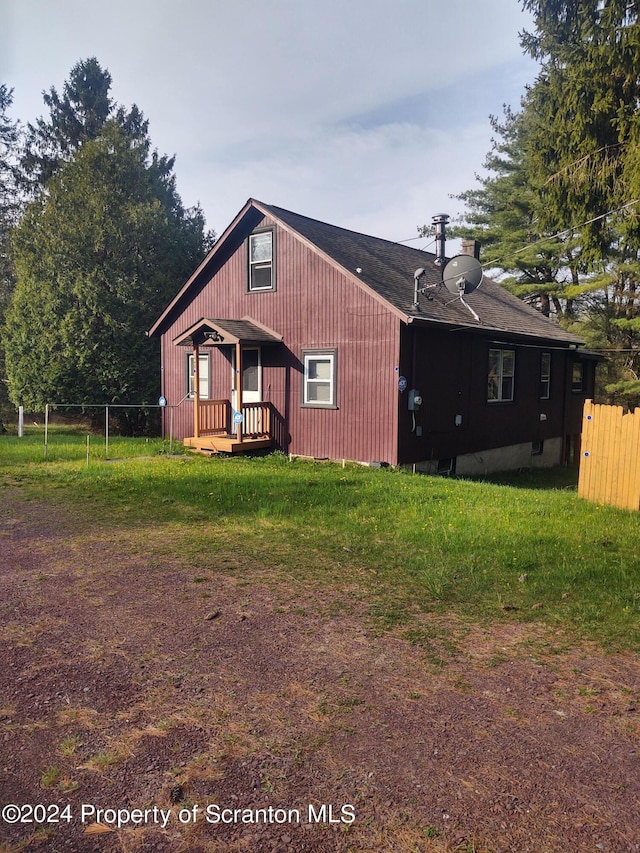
388 268
244 331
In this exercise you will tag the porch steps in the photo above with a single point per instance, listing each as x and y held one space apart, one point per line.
210 444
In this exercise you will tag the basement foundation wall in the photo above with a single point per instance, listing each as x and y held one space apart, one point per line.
508 458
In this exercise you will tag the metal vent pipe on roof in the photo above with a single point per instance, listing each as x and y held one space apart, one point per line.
440 220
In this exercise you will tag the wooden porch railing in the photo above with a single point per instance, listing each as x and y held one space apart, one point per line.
256 419
214 418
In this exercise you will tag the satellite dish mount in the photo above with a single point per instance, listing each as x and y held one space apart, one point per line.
418 287
461 276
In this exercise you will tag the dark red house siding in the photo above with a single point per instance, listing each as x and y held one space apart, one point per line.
313 306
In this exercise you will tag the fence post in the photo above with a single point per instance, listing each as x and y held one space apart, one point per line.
106 432
20 421
46 429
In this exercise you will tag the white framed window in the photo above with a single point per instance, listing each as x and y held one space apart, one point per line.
203 364
261 266
500 380
545 375
319 378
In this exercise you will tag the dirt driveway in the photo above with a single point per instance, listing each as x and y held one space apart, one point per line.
234 711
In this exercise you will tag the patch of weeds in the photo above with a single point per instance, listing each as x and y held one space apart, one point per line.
67 785
201 579
350 702
431 832
68 746
105 760
50 777
460 683
324 707
414 695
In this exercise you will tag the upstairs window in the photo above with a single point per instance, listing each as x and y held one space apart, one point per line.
261 265
545 375
500 381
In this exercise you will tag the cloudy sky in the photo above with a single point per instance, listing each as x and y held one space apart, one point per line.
365 113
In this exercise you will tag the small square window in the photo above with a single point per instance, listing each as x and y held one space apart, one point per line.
261 261
319 379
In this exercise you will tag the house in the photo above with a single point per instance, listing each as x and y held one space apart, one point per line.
299 335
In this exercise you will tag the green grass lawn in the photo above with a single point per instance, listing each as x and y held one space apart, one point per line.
523 547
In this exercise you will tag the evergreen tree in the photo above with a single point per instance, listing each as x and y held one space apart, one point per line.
9 207
98 255
504 214
75 117
583 153
568 164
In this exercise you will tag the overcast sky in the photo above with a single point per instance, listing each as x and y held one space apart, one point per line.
364 113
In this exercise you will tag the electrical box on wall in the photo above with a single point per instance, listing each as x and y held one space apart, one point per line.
415 400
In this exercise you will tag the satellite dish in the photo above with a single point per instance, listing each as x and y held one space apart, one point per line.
462 274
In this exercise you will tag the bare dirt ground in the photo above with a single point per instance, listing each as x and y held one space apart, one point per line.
133 683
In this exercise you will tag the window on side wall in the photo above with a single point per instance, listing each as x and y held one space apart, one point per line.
545 375
319 378
577 376
203 364
261 265
500 380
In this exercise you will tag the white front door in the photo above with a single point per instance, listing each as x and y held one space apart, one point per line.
251 376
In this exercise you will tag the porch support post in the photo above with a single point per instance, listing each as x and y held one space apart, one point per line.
238 378
196 391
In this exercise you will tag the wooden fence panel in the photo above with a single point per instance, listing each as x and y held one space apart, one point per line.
610 456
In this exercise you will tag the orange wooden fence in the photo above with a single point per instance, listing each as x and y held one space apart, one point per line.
610 456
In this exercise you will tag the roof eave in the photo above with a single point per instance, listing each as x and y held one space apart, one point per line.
565 343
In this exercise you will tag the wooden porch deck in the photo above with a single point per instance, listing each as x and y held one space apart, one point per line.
212 422
227 443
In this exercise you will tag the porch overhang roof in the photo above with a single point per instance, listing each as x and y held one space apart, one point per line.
216 333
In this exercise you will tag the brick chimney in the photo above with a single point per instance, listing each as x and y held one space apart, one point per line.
471 247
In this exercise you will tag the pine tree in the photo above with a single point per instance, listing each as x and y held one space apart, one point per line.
75 117
584 155
504 214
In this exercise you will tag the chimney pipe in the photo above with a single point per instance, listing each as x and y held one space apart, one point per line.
440 220
471 247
